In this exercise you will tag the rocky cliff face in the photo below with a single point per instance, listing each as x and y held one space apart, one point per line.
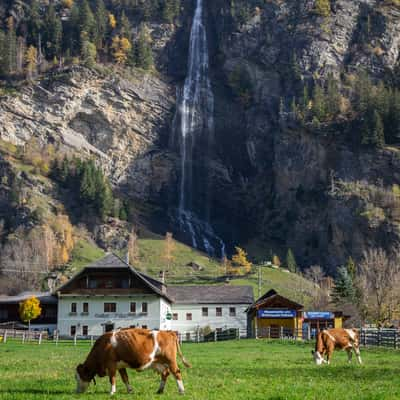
284 185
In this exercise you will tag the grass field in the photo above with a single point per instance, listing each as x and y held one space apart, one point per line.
246 369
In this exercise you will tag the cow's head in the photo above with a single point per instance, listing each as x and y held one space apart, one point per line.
319 360
83 378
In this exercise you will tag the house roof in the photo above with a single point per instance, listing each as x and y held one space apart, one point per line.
203 294
43 297
112 261
272 299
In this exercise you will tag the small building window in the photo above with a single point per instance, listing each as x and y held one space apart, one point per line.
144 308
204 311
85 308
73 307
175 316
133 307
218 311
232 311
188 316
85 330
4 314
144 326
92 284
73 330
110 307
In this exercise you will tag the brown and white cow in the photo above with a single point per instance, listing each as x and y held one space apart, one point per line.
336 339
132 348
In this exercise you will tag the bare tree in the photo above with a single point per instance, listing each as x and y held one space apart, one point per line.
378 279
315 274
133 247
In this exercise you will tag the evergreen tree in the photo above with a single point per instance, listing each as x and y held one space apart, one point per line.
126 28
10 53
291 261
34 23
351 267
170 10
319 106
53 33
87 21
100 30
88 51
3 58
332 97
344 290
144 54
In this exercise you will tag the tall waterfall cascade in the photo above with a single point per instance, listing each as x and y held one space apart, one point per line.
194 129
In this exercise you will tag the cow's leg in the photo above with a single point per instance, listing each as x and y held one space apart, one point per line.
358 355
349 354
164 376
125 379
177 374
329 353
111 374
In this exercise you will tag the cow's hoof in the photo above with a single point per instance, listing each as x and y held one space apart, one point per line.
160 392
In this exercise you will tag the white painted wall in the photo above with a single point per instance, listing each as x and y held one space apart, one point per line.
198 321
96 317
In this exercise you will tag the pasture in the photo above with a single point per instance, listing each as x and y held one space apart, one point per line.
245 369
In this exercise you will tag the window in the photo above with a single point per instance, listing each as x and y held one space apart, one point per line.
133 307
204 311
73 307
188 316
144 326
85 308
4 314
218 311
175 316
85 330
109 284
73 330
232 311
125 284
92 284
110 307
144 308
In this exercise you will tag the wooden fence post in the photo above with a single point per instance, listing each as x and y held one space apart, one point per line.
57 336
40 338
215 335
75 339
5 336
23 337
238 333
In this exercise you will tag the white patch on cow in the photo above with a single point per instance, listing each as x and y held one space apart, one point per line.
330 336
153 354
113 339
318 358
113 389
122 364
180 386
351 334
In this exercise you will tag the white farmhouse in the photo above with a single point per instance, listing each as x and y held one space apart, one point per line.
110 294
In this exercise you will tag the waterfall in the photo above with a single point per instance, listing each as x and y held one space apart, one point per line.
194 127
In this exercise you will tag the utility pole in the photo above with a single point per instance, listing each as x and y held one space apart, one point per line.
263 264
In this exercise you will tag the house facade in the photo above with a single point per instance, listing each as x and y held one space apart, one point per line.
110 294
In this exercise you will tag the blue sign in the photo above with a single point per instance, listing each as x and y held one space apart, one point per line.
318 315
276 313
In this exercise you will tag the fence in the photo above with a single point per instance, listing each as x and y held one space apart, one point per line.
380 337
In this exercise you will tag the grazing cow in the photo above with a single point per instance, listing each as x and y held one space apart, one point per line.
132 348
338 338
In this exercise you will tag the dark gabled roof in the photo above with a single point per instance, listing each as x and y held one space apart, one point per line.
43 297
112 261
203 294
274 300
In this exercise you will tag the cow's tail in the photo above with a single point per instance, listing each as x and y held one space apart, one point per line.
178 348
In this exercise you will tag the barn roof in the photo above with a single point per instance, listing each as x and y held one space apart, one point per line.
112 262
272 299
203 294
43 297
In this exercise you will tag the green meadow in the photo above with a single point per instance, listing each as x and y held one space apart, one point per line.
245 369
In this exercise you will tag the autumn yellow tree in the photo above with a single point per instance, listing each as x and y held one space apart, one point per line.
29 309
239 260
31 61
121 47
276 261
112 22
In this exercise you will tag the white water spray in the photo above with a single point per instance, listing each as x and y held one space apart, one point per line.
196 115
